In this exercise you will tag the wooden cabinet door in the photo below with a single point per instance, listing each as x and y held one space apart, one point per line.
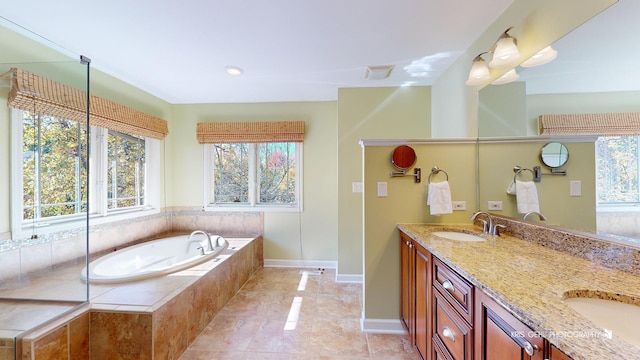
423 306
500 335
407 285
556 354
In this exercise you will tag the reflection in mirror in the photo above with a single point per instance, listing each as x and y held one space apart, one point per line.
584 78
554 154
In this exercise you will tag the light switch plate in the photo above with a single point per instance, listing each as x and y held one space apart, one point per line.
575 188
356 187
382 189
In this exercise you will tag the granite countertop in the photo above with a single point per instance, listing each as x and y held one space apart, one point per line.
532 281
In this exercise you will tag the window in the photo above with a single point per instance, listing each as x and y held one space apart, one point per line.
49 185
126 170
617 178
263 175
53 167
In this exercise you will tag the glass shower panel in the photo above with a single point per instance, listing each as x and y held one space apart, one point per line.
44 182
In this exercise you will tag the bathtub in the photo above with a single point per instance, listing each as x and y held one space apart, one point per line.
153 258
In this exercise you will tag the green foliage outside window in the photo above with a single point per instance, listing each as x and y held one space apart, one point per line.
54 167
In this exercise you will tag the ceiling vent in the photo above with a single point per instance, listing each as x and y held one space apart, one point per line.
378 72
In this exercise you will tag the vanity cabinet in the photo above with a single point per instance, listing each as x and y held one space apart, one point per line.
452 313
415 304
500 335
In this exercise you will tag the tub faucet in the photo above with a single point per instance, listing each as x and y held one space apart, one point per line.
205 234
487 227
542 217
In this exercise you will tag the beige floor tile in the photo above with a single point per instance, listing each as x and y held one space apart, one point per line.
283 314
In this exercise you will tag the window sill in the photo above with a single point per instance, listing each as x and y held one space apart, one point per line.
245 208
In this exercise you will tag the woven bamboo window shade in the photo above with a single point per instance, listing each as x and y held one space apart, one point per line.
250 132
43 96
608 124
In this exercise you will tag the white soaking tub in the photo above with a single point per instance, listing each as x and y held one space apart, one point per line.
153 258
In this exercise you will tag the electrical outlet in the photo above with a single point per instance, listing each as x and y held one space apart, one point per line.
459 205
494 205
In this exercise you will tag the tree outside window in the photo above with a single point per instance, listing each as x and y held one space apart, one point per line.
617 178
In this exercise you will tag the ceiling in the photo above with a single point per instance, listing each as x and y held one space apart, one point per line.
289 50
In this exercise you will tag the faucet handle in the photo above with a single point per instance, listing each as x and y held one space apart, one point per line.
485 226
496 229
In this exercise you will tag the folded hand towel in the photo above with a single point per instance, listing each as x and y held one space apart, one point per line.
511 189
526 197
439 198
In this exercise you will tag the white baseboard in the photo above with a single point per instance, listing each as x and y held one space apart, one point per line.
341 278
349 278
300 263
381 326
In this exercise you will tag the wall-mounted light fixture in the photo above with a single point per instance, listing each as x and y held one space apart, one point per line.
505 56
505 51
479 73
508 77
541 57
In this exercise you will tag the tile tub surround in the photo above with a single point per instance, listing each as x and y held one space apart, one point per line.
158 318
532 280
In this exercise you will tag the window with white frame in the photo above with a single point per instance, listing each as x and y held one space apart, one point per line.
264 176
617 176
50 178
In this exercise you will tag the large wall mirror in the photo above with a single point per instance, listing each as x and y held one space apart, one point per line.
595 72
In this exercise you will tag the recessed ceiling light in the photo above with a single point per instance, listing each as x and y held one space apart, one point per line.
233 70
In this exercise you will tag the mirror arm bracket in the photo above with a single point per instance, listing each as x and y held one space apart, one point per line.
537 173
417 173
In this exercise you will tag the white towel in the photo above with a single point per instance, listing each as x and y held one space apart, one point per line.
439 198
526 197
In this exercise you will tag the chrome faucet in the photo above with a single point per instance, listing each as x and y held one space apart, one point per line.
205 234
487 228
542 217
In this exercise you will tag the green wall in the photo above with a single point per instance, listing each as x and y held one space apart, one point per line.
284 232
406 203
367 113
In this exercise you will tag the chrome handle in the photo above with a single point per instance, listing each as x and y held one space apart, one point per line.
446 332
447 285
529 349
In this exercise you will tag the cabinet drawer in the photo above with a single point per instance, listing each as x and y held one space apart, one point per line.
456 289
450 331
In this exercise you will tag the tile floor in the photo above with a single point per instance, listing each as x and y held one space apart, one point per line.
282 314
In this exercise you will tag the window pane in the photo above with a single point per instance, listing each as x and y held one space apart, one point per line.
617 169
126 170
277 173
231 173
54 166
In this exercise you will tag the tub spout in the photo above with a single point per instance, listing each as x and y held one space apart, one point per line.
205 234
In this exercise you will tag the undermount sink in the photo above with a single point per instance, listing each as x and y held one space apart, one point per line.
458 236
621 319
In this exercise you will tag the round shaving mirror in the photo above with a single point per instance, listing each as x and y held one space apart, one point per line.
554 154
403 157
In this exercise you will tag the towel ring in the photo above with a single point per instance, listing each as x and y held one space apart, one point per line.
518 170
434 171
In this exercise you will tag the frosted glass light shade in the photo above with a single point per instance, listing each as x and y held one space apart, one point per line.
479 73
506 53
508 77
541 57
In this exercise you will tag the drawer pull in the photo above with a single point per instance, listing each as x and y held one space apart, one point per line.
529 349
447 285
446 332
